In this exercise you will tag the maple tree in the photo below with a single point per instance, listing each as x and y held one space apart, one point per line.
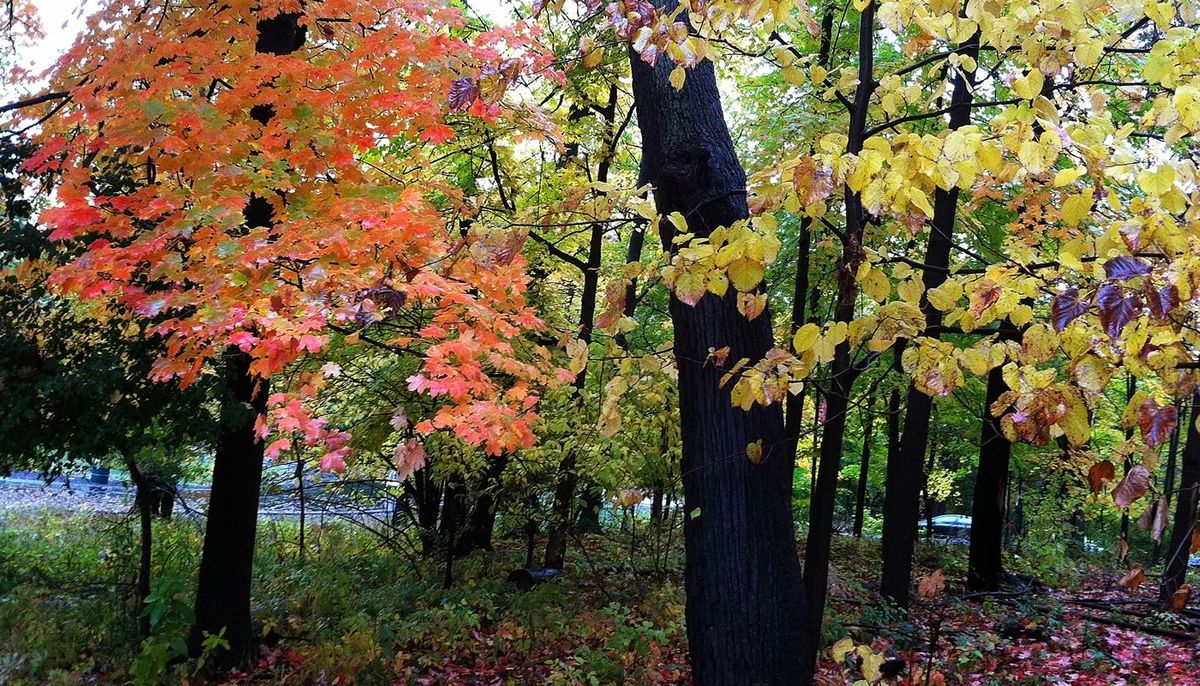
981 203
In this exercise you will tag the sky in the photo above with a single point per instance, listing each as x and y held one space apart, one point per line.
61 25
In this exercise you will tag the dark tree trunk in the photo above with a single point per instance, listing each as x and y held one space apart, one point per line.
144 504
842 372
984 567
746 621
227 560
1169 477
478 533
931 460
1175 573
905 475
568 477
656 502
864 467
591 502
453 508
1130 390
426 496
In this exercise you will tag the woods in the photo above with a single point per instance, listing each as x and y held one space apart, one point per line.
633 342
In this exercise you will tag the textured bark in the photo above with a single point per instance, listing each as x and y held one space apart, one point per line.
223 586
905 476
227 560
842 372
482 522
1169 477
746 621
1185 511
864 467
568 477
984 567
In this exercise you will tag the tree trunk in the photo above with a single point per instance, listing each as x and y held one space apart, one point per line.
991 492
568 477
1130 390
1169 477
842 372
904 475
227 560
591 502
745 614
143 502
1175 573
864 467
478 534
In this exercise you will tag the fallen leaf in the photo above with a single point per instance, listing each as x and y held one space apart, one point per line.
1134 577
932 586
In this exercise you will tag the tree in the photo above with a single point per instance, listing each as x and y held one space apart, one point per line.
746 619
243 164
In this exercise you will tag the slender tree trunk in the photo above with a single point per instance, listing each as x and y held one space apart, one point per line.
904 475
478 534
843 371
1185 523
1169 477
864 467
984 566
568 477
144 503
227 560
1130 390
745 611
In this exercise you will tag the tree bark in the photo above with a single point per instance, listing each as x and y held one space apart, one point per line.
144 505
1175 573
568 477
864 467
227 560
746 621
905 475
478 534
843 371
1169 477
984 567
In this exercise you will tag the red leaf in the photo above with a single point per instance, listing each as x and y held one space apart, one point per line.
1126 267
1116 310
983 296
1157 422
1133 486
1099 473
1067 307
1162 301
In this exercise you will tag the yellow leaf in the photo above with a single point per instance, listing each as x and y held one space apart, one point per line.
805 337
945 297
841 649
818 72
1066 176
1157 182
754 452
1029 86
678 76
876 286
1075 423
745 274
1076 208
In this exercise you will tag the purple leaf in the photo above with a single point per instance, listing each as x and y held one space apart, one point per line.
463 92
1126 267
1066 307
1162 301
1116 310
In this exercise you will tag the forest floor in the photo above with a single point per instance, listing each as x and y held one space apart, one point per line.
361 609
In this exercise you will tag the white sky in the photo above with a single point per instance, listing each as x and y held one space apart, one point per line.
61 23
